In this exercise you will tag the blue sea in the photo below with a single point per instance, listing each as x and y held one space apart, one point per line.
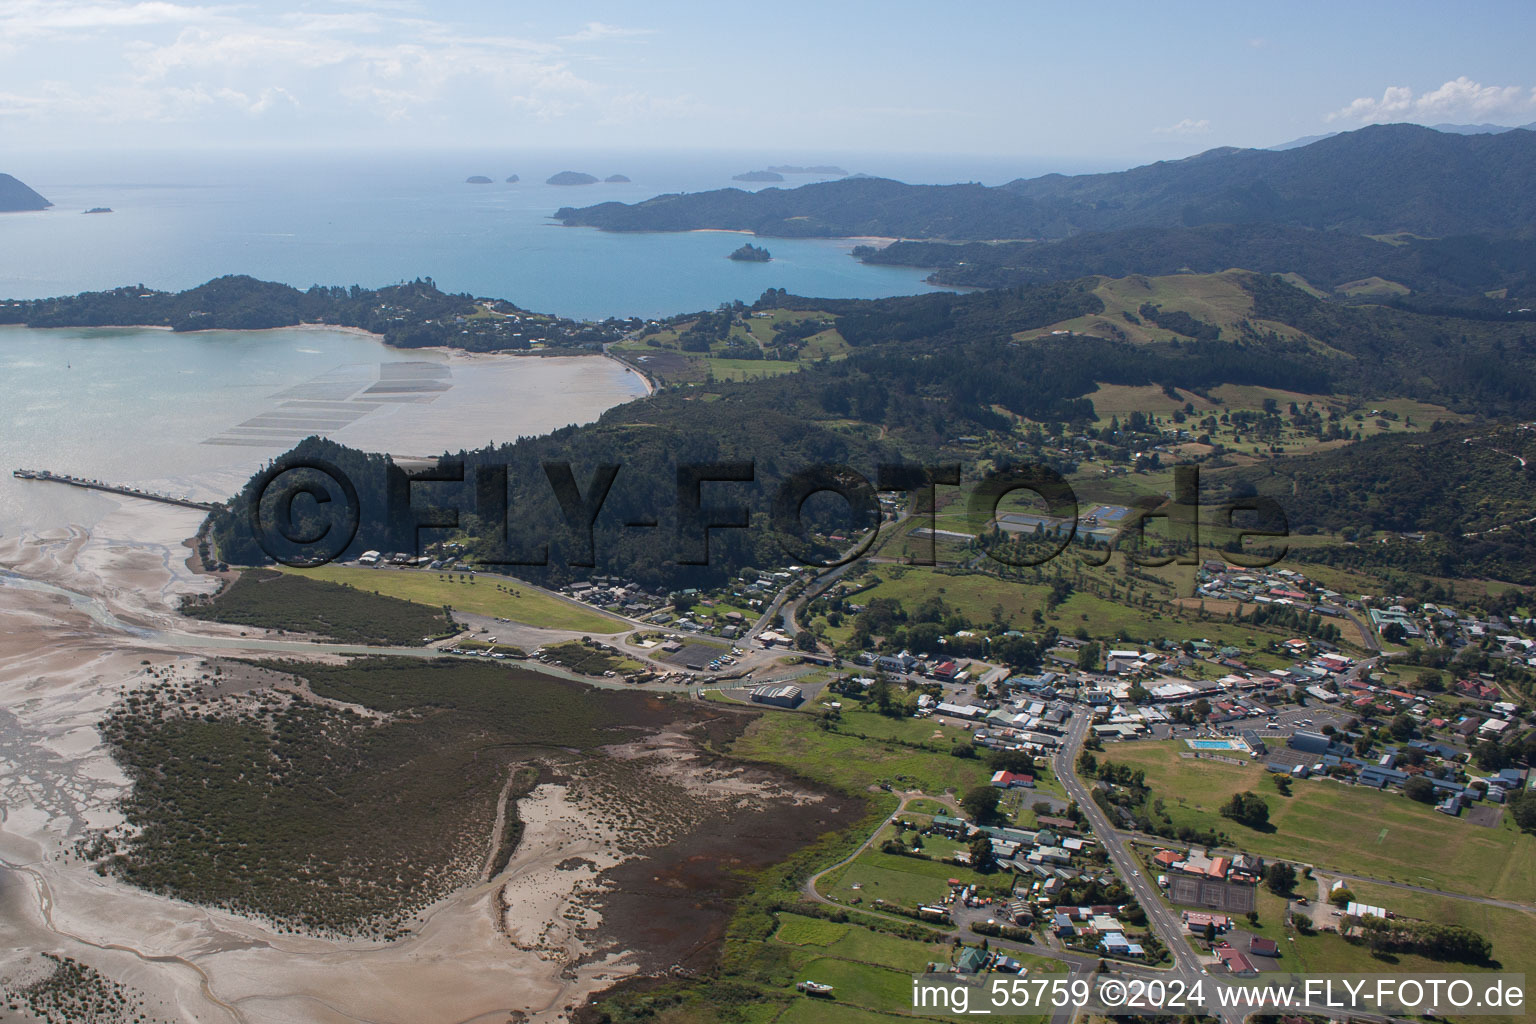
196 414
378 218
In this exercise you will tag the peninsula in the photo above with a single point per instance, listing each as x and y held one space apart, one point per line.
416 314
16 197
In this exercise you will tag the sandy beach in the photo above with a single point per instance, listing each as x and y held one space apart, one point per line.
535 939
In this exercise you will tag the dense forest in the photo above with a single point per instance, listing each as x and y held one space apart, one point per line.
416 314
1380 179
1460 500
1466 264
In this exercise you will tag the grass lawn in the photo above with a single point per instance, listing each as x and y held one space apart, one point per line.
921 806
1111 619
871 947
911 730
796 930
875 988
1348 828
908 881
499 597
805 1010
972 595
1329 952
852 763
1512 932
975 595
750 369
869 970
1123 399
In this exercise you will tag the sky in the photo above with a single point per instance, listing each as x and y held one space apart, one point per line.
1073 84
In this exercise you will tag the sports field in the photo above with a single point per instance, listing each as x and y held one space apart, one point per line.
1352 829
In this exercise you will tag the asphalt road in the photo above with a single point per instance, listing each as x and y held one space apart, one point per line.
1167 926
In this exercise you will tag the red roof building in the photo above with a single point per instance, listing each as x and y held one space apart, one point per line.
1237 963
1012 780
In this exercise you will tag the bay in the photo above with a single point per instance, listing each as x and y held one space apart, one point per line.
374 219
196 414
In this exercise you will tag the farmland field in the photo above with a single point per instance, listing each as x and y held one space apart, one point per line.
499 597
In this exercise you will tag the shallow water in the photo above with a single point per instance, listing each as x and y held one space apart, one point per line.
195 414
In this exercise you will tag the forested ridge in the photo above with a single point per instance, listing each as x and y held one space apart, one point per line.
1460 265
413 314
1460 500
1379 179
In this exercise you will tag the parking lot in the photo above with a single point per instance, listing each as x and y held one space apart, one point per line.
695 655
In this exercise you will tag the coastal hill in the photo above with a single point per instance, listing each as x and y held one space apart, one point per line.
1332 260
415 314
1380 179
917 370
16 197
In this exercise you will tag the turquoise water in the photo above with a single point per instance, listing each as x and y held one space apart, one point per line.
140 406
1212 744
374 220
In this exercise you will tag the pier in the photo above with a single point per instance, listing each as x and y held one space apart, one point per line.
97 485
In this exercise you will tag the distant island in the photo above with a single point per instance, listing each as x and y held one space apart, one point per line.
513 179
813 169
750 253
16 197
758 176
99 209
570 178
616 179
477 179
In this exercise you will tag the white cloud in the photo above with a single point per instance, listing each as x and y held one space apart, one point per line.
379 63
596 30
32 18
1188 126
1459 99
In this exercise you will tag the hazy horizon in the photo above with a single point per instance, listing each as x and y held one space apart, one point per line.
1055 87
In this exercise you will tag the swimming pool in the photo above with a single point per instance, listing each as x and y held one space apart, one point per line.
1215 745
